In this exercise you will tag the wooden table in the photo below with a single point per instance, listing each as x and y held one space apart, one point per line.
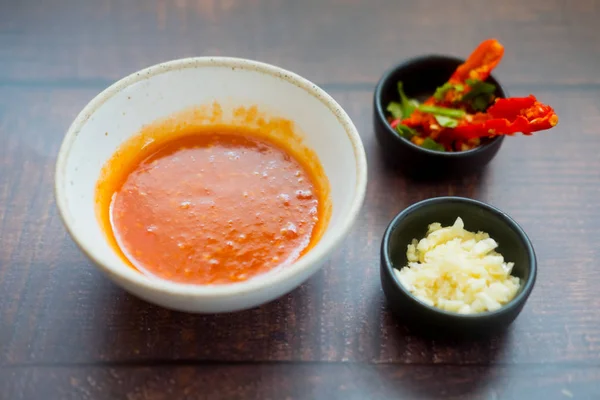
66 332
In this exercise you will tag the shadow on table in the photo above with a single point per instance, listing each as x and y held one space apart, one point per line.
398 184
420 366
388 164
138 331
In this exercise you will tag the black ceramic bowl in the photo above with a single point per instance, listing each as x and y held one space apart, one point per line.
421 76
412 223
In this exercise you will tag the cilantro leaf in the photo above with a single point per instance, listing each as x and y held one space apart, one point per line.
446 122
431 144
478 87
481 94
405 131
408 105
395 109
481 102
443 111
441 91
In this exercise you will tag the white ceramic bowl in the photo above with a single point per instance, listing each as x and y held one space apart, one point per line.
164 89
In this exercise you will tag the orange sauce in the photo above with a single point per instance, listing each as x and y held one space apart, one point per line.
211 205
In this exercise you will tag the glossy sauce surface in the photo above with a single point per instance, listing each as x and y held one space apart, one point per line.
214 208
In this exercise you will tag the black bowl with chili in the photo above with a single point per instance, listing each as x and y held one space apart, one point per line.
420 78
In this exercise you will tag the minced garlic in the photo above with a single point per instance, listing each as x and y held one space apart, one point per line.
457 270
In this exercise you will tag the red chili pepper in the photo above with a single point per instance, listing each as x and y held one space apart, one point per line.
504 117
509 108
480 63
507 117
478 66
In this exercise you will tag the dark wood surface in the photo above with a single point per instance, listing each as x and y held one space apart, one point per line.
66 332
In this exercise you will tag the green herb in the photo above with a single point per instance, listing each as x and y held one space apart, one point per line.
441 91
481 102
443 111
395 109
408 105
481 94
405 131
431 144
446 122
478 87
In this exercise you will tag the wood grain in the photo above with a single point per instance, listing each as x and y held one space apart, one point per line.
67 332
54 300
301 381
69 42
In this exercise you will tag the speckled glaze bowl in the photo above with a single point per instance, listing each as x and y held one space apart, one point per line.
120 111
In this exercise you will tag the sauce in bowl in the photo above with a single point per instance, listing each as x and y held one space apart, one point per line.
214 206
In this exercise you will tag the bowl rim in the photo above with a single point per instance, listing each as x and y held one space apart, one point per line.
386 77
513 304
266 280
